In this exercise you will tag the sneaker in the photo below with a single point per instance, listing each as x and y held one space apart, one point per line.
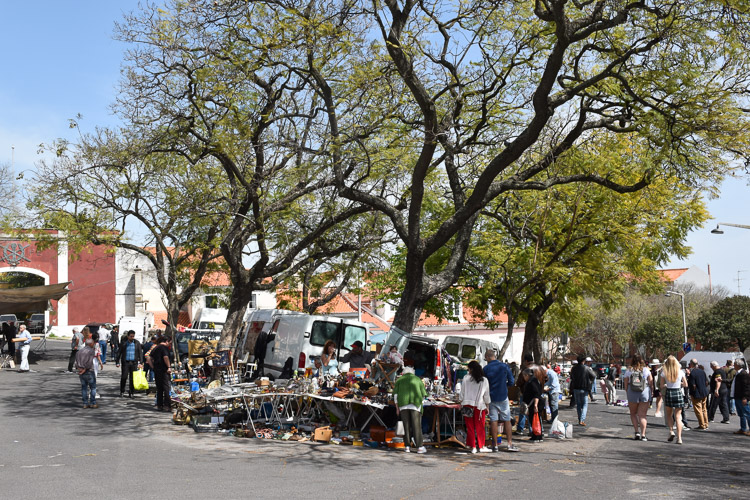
473 450
495 449
421 450
671 438
685 428
407 449
658 414
637 436
725 421
484 449
644 438
679 441
512 448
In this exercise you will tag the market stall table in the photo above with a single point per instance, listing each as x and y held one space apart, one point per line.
440 413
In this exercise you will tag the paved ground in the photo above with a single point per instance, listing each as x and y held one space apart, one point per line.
53 448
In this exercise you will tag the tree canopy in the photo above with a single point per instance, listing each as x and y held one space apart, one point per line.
725 325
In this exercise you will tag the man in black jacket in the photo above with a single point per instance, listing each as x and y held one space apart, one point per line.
740 391
131 358
581 378
698 387
719 393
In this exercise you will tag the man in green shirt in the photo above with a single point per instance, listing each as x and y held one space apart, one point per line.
409 394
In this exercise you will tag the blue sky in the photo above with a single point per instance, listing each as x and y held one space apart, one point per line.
59 60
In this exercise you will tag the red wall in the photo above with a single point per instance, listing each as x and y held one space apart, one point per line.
92 293
92 273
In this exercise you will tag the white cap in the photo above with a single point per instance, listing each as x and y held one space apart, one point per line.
76 330
589 359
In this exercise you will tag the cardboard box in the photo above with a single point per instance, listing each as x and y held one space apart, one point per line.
323 434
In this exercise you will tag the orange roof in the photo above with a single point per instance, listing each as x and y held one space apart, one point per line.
673 274
182 320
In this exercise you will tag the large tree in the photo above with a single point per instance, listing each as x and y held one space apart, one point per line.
228 84
484 96
111 188
725 325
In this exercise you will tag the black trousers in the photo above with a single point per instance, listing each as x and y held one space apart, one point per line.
162 388
722 402
11 346
72 359
128 367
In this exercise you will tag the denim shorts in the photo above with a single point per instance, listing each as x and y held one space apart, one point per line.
500 411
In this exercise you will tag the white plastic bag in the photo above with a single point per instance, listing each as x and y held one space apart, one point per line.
568 430
557 429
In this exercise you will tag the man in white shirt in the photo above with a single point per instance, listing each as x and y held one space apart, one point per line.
104 335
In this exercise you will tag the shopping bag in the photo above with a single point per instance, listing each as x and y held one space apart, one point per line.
557 429
568 430
536 425
140 383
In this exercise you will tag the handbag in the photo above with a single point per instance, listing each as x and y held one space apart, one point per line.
536 425
467 410
140 383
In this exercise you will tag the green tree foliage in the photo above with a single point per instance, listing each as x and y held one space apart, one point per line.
112 188
660 336
483 97
726 325
544 252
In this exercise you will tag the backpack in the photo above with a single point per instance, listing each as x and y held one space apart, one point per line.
637 382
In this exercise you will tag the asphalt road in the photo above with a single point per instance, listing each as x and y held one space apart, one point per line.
53 448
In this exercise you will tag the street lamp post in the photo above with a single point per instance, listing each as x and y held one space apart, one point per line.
682 299
719 231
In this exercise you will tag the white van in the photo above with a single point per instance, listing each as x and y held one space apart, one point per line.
465 349
704 358
210 318
139 324
299 337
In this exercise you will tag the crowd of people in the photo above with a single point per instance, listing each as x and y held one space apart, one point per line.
88 356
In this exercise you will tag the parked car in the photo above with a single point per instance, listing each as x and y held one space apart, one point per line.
600 369
9 318
35 323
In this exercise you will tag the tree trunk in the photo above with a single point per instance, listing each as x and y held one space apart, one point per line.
531 341
240 298
508 337
411 304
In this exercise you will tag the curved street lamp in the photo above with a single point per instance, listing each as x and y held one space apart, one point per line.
669 293
719 231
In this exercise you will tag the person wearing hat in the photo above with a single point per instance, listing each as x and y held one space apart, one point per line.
357 357
75 343
655 367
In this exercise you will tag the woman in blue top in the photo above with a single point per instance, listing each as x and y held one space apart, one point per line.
330 366
25 345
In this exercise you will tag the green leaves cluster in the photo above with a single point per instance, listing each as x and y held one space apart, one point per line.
726 325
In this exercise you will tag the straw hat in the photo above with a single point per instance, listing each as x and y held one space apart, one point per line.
654 362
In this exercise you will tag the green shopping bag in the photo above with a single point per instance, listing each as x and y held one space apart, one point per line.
140 382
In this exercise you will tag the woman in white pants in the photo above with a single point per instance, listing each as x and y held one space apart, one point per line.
24 347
